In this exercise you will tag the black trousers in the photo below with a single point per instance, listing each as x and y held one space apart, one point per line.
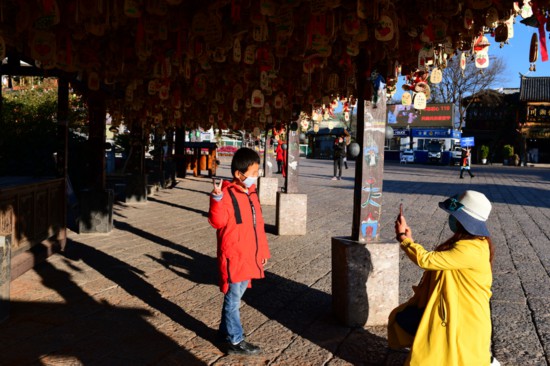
338 166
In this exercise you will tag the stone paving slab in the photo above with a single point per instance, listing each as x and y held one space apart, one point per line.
146 293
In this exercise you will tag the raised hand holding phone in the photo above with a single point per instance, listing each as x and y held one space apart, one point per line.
401 227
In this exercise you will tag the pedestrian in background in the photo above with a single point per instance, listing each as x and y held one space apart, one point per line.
242 244
448 320
339 153
279 156
466 162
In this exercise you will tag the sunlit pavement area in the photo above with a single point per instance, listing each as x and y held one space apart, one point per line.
147 294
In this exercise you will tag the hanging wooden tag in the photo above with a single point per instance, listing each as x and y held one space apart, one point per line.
406 99
351 24
257 99
49 16
268 7
260 32
278 102
501 33
468 19
419 101
238 91
237 50
131 8
482 59
43 47
534 48
153 87
436 76
164 91
249 54
491 18
510 26
384 30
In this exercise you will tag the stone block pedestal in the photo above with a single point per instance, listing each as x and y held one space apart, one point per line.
136 189
365 281
267 190
291 215
96 211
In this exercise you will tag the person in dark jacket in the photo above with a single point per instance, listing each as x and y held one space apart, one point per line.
242 243
339 154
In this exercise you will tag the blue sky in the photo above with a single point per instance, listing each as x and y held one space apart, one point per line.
516 54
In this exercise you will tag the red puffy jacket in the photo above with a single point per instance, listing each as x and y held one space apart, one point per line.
242 242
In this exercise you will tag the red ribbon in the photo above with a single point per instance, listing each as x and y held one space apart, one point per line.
542 32
235 10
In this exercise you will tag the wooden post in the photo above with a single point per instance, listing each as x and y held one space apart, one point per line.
369 168
179 151
293 151
97 111
62 151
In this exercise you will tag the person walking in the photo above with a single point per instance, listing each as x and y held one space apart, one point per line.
339 148
242 244
466 162
279 156
448 320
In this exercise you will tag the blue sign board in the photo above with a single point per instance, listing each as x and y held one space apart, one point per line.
467 142
432 132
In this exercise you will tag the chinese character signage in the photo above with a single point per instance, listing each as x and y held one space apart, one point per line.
538 113
435 115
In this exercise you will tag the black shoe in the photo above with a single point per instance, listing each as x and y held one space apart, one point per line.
471 176
243 348
461 177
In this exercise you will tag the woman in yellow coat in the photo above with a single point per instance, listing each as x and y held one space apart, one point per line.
455 325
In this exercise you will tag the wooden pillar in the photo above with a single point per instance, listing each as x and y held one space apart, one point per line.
62 150
97 111
365 269
179 151
293 151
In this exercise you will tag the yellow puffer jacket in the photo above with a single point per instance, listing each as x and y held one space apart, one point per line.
455 329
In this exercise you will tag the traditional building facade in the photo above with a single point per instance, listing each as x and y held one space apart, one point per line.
534 119
491 118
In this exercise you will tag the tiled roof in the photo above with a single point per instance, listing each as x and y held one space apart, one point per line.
534 89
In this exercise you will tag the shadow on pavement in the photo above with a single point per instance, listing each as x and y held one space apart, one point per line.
300 308
85 331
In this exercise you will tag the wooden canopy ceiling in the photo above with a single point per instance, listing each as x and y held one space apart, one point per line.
244 63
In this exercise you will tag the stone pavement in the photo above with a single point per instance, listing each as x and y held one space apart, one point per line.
146 293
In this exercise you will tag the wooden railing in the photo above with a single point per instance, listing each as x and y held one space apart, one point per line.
33 212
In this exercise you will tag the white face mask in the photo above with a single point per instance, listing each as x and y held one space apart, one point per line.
249 181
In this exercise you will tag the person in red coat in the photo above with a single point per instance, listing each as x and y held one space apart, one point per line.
279 156
242 243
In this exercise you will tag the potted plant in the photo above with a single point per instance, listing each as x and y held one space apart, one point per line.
507 153
484 154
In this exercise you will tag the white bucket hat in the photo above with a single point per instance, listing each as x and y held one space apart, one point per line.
471 209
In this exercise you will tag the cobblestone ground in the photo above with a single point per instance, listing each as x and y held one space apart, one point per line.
146 293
